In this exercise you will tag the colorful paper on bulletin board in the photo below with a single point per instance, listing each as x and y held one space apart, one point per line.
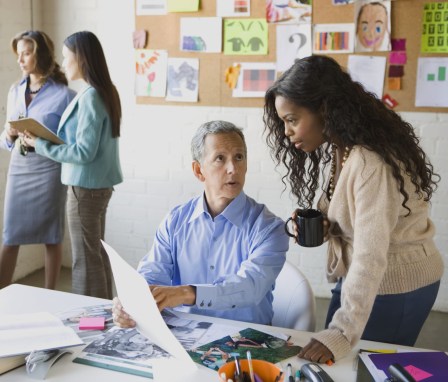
342 2
398 58
288 11
201 34
254 79
293 41
245 37
333 38
183 79
435 31
432 82
233 8
150 72
398 44
183 5
373 25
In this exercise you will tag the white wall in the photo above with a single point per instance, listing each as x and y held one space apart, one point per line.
155 146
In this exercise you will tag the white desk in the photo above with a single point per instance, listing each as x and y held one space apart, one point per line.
25 299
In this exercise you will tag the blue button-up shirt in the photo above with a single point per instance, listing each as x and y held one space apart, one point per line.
233 260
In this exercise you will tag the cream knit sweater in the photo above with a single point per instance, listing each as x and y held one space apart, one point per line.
373 245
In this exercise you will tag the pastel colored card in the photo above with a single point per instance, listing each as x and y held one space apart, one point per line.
288 11
398 58
245 36
396 71
398 44
92 323
233 8
183 5
394 83
254 79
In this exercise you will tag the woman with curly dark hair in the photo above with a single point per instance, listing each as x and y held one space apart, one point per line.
375 198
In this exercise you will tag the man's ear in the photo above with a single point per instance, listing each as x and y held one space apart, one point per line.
197 171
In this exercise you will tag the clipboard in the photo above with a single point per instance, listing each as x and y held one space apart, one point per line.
37 129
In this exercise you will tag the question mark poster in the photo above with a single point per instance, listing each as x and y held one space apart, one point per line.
293 41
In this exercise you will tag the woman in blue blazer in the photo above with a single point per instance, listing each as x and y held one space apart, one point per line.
90 127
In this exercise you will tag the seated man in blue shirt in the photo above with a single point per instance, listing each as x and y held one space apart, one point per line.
220 253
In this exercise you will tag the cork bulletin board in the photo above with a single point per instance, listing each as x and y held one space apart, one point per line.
164 33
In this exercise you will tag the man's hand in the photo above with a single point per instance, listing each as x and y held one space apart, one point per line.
316 352
171 296
121 318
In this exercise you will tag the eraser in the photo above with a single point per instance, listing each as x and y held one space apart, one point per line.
92 323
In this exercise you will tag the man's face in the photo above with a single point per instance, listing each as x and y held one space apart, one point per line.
372 25
223 167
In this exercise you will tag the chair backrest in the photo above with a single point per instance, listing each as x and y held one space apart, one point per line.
294 305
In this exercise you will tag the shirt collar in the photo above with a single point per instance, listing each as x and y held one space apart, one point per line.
233 212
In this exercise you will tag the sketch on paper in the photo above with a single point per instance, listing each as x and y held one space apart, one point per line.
150 72
288 11
245 37
183 79
372 26
201 34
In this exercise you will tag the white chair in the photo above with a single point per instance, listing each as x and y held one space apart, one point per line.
294 305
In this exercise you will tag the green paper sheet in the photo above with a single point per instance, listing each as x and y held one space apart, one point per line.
245 36
434 30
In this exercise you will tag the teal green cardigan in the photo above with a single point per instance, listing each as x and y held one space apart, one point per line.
90 156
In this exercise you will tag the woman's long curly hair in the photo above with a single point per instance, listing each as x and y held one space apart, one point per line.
350 116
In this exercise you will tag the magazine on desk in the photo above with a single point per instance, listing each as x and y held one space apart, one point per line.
262 346
128 351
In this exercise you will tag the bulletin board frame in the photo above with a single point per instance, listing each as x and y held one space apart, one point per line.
164 33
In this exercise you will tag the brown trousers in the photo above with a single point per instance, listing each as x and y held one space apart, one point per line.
86 215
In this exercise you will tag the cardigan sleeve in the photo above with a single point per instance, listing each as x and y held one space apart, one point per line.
377 201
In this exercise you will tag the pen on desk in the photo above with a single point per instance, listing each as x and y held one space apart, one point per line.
237 367
290 375
251 369
277 378
297 376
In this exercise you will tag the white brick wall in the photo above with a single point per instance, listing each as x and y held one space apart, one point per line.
155 146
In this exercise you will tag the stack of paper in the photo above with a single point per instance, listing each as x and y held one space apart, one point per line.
23 333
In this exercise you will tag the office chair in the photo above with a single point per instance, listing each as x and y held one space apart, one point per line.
294 305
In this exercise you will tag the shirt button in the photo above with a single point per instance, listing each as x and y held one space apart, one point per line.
212 267
233 306
202 303
209 304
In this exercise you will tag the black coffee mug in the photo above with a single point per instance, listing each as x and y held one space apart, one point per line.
310 224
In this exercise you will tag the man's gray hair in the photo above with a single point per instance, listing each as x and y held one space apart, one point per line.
213 127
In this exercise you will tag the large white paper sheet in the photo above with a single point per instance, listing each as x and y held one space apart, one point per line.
369 71
293 41
432 82
201 34
150 7
135 296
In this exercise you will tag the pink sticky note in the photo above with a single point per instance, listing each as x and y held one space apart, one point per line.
397 58
91 323
417 374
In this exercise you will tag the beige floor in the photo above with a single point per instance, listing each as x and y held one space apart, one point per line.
434 334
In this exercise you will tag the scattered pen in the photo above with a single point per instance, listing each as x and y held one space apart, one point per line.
277 378
251 369
237 366
297 376
290 375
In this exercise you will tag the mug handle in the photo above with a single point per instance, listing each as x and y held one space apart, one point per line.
286 229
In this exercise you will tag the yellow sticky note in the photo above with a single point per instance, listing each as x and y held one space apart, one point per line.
394 83
183 5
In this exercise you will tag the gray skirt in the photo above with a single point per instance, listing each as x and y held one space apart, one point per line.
34 211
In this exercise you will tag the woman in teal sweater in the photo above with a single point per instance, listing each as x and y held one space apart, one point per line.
90 127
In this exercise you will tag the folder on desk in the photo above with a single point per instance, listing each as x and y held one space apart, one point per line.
36 128
423 366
